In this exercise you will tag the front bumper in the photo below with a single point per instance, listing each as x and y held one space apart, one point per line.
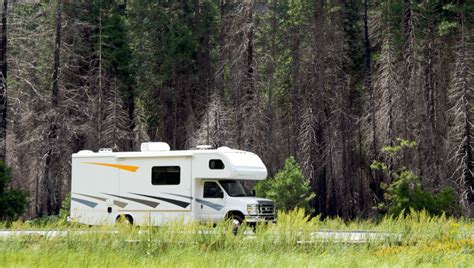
256 219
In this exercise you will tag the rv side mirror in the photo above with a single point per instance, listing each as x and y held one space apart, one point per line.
253 193
220 194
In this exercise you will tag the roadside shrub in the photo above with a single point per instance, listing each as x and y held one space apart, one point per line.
405 192
288 188
12 201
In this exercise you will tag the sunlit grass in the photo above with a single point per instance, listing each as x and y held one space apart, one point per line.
415 240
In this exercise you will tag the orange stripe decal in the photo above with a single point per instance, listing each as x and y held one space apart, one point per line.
122 167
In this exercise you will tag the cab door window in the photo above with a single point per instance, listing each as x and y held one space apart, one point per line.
212 190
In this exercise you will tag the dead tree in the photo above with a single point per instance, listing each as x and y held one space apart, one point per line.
410 82
51 180
461 134
3 83
368 81
313 137
373 135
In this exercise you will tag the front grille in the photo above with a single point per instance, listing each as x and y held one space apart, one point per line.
266 208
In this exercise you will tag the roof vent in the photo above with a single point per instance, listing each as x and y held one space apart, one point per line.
105 150
204 147
154 147
85 152
224 148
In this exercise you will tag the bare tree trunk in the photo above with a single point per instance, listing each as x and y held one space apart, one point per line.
269 120
51 178
368 79
57 50
3 84
409 81
375 182
429 139
220 72
250 93
461 131
251 86
130 105
295 98
468 179
314 123
100 92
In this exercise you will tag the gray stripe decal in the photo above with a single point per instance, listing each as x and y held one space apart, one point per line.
116 202
85 202
120 203
172 201
91 196
180 195
210 204
141 201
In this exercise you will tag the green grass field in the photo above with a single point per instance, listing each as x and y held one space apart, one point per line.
422 241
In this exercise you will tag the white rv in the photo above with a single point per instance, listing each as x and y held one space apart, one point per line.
157 185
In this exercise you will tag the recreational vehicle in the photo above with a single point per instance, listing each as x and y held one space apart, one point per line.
156 185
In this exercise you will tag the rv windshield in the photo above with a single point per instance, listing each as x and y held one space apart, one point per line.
234 188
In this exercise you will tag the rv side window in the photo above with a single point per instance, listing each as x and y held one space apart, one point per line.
212 190
216 164
165 175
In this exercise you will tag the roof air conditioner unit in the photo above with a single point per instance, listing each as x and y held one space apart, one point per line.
154 147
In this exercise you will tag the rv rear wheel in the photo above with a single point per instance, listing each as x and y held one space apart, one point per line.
124 219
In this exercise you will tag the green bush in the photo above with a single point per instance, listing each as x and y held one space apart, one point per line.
289 188
12 202
405 193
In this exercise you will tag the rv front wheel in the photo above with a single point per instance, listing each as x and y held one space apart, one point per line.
235 218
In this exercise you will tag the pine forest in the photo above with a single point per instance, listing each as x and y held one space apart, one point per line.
339 85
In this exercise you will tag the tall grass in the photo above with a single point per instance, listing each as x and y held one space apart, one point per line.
416 239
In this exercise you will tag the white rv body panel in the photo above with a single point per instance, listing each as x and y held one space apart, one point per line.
132 185
89 180
155 187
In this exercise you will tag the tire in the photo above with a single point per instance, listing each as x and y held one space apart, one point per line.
126 219
237 221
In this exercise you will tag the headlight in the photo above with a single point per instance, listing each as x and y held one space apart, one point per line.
252 209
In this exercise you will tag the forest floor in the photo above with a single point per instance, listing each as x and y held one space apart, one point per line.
420 241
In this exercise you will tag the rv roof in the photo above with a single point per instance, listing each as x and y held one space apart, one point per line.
178 153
